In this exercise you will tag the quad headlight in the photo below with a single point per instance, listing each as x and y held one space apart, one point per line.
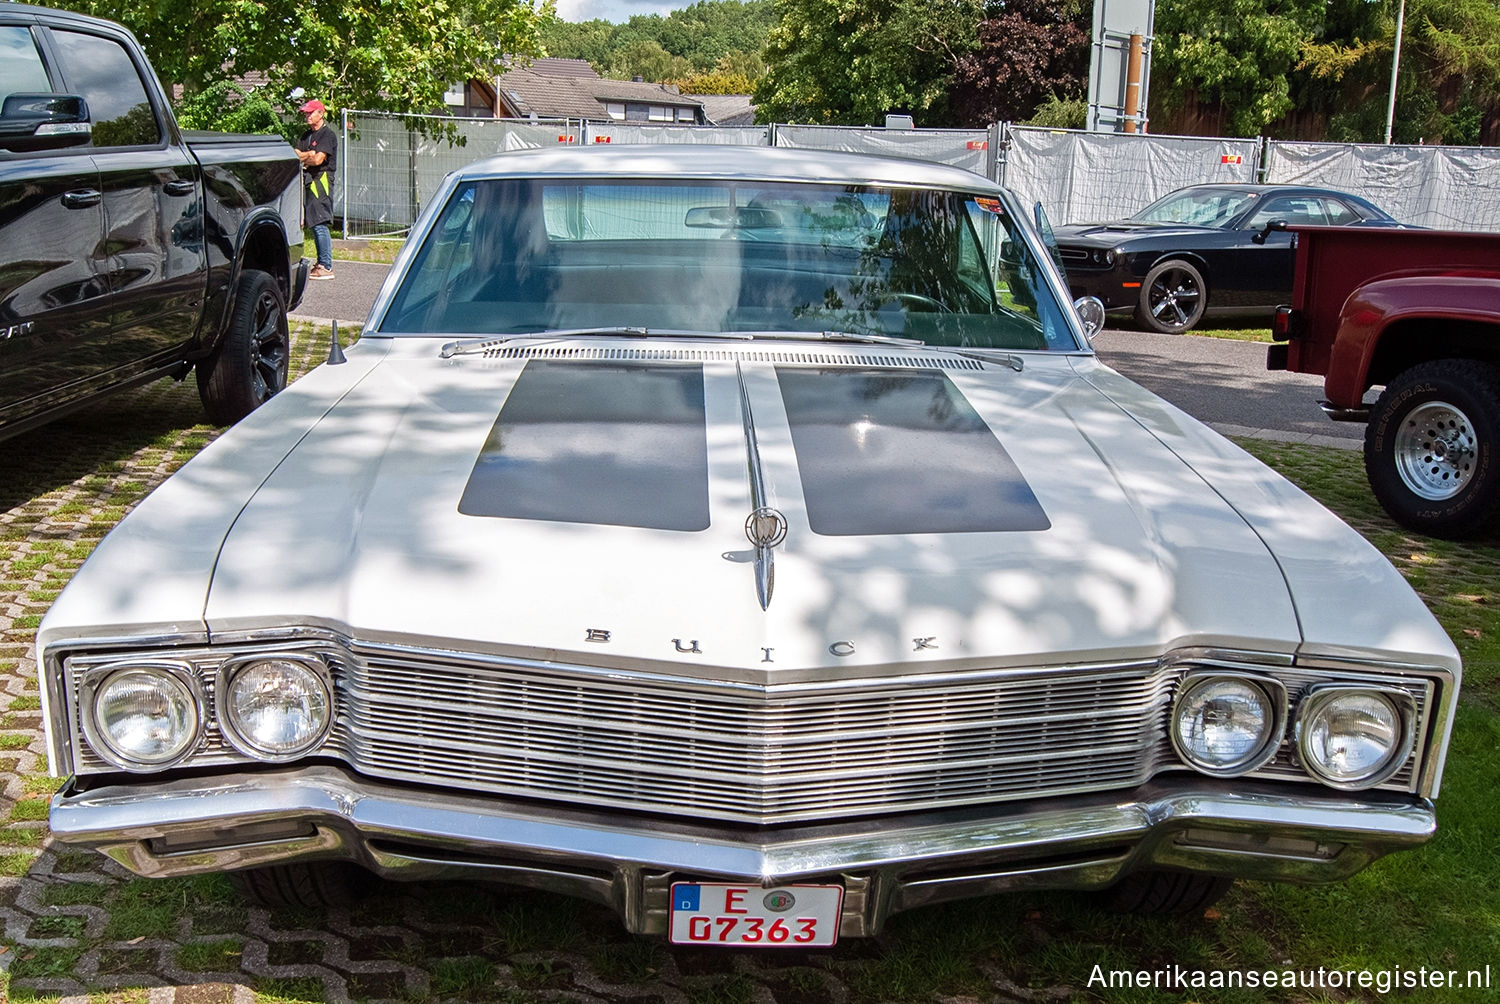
275 708
1228 724
1354 737
143 717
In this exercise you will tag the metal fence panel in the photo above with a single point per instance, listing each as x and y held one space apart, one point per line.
965 148
1082 176
1446 187
387 170
390 170
630 132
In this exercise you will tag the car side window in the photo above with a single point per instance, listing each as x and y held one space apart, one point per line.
102 71
1301 210
1340 215
21 69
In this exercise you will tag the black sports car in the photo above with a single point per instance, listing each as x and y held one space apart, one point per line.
1190 254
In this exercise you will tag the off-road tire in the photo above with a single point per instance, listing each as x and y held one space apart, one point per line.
250 365
1173 298
1431 447
1167 892
314 885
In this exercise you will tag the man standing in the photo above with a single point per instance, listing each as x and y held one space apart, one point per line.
318 150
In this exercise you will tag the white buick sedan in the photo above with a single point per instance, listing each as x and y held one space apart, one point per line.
748 540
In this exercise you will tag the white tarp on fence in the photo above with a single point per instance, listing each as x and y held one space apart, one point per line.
387 171
629 132
1445 187
1080 176
965 148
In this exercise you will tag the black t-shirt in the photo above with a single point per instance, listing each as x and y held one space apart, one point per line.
325 141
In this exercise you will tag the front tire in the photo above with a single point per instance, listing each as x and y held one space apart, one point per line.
1430 447
315 885
250 365
1173 298
1167 892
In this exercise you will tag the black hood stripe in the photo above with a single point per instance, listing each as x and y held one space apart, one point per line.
615 444
895 452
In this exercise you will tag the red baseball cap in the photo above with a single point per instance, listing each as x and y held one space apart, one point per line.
313 106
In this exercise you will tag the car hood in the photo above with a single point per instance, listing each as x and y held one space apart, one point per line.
936 509
588 502
1115 233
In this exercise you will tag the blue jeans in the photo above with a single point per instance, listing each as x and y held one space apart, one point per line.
324 243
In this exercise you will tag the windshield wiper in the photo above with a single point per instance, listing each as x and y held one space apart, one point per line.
860 337
469 346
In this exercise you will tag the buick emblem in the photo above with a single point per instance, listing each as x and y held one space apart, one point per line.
765 527
779 901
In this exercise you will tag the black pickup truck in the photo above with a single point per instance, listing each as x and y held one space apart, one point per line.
130 249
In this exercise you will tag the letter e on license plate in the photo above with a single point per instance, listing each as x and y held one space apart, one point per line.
792 916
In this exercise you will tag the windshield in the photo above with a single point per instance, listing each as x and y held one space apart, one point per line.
1204 207
508 256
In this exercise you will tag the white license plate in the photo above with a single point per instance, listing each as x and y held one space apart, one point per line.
792 916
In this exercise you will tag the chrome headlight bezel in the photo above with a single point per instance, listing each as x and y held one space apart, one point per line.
97 735
1320 696
228 713
1274 694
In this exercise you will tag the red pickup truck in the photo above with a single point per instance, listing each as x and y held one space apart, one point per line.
1417 311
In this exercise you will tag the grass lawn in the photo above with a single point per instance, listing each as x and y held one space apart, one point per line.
1437 906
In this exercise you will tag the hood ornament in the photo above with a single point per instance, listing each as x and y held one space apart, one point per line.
765 527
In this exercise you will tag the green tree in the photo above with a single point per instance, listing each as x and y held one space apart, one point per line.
396 55
703 34
649 61
849 62
1449 84
1236 54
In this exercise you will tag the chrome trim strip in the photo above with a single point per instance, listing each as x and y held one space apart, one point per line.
765 571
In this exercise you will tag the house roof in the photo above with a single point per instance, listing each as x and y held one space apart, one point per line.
569 88
728 109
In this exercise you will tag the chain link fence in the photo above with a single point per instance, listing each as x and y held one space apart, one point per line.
389 169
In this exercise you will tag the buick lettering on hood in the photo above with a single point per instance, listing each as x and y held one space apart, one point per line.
750 541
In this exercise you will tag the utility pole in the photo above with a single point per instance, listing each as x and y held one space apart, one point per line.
1390 112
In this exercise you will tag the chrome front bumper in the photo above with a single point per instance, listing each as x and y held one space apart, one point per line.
194 825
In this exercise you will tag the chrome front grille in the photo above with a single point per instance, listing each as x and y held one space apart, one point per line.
718 750
682 747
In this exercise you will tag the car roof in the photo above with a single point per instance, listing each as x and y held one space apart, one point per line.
709 162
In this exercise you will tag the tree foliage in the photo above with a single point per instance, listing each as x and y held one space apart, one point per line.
1028 51
698 39
1236 53
851 62
1450 70
398 55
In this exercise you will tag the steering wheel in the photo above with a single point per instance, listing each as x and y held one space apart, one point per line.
919 300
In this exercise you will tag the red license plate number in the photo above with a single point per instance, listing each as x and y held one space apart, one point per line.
792 916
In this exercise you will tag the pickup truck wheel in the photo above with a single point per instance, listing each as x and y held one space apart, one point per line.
1173 298
1167 892
250 364
1430 447
310 885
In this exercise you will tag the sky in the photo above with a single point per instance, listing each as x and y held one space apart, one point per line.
614 11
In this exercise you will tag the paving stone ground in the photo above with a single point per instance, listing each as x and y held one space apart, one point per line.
76 927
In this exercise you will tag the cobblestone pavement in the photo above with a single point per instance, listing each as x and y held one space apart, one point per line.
76 926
